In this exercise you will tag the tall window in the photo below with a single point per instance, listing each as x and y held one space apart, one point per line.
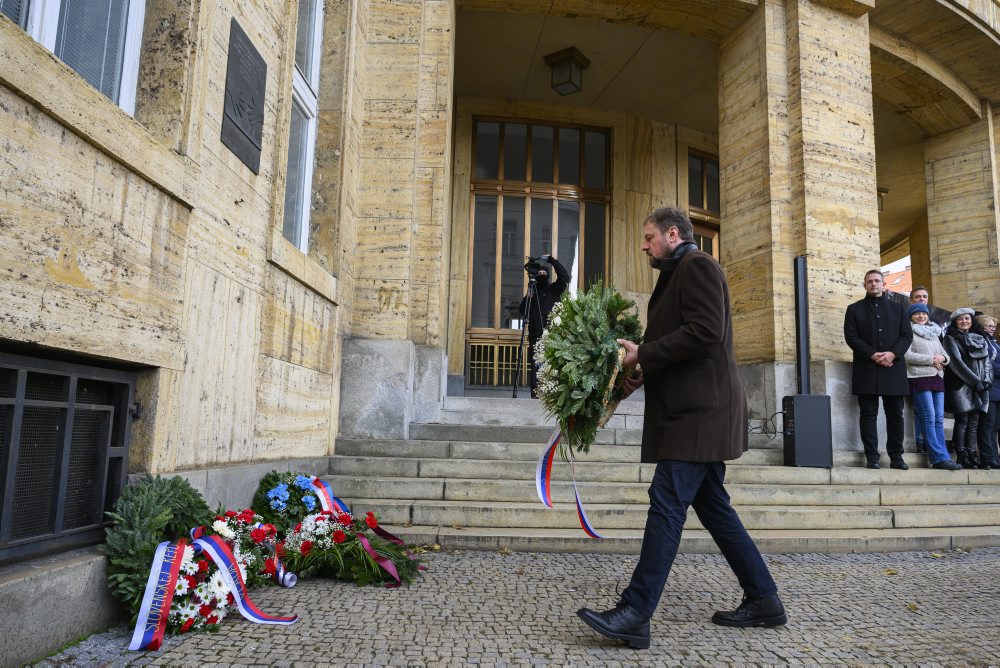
703 200
537 190
100 39
305 119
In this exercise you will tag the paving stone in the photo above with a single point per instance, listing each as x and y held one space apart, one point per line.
488 608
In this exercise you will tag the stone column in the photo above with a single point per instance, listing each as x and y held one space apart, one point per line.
797 153
961 175
399 153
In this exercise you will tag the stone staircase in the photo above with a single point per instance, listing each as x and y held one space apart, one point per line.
468 482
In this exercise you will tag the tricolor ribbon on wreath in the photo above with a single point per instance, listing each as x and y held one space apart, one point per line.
331 503
543 481
152 621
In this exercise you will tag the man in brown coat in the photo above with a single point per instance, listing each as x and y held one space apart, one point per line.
696 418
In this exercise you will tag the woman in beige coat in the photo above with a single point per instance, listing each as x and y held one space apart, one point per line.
925 362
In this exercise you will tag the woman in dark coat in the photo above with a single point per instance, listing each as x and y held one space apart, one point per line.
967 382
990 423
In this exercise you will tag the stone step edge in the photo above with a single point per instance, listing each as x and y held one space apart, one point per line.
644 485
699 541
898 477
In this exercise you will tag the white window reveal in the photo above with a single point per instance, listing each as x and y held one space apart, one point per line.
304 121
100 39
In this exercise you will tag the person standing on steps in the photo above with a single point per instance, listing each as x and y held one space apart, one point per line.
925 363
878 331
695 419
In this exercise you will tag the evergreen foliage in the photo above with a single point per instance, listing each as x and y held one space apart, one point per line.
580 382
148 513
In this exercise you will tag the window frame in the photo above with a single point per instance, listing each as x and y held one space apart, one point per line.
305 93
703 210
42 25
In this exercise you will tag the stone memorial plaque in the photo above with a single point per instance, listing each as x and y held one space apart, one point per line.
243 118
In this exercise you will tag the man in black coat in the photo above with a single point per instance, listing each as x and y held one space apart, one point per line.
546 296
695 421
877 330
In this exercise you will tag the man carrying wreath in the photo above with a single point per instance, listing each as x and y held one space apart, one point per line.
695 419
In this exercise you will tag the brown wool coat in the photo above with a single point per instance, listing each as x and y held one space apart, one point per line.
696 410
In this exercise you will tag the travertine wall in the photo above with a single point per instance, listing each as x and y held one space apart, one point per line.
962 217
145 240
798 162
397 166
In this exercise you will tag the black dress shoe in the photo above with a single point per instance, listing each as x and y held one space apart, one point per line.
873 465
753 612
622 622
900 464
947 465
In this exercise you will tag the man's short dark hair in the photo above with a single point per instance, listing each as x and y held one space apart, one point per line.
666 217
919 287
874 271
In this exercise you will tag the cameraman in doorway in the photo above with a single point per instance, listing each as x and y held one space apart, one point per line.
546 296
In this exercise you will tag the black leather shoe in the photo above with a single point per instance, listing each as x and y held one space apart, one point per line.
900 464
622 622
753 612
872 464
947 465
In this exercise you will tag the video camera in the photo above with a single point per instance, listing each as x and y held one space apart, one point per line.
533 265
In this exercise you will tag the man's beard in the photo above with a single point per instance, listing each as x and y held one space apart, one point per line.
656 263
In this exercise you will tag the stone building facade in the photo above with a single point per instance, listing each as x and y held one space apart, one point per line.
331 290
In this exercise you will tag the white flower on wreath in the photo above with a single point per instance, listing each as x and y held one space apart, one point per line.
218 586
204 591
556 321
182 587
185 610
221 528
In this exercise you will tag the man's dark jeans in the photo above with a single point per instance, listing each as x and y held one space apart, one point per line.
677 485
868 423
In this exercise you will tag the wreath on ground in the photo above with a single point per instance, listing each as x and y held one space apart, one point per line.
580 380
322 543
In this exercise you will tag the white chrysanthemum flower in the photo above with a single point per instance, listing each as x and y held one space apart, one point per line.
190 568
182 587
218 586
204 591
188 555
185 610
221 528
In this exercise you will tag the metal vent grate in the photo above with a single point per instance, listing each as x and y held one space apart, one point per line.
8 383
90 432
46 387
495 363
94 392
35 481
64 436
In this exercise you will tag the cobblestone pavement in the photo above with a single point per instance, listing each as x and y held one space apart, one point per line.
519 609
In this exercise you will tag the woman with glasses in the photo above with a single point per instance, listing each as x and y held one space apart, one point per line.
989 457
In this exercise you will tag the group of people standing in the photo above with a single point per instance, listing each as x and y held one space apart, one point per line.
945 361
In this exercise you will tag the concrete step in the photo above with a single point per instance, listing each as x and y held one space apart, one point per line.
615 516
503 469
770 541
527 451
500 514
512 433
523 491
520 405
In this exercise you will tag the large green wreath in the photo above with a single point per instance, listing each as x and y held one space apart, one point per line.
580 381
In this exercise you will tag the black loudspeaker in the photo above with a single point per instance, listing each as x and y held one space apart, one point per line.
808 432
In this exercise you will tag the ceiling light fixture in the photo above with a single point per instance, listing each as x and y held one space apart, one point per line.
567 70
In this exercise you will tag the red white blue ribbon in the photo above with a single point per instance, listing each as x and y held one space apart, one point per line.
543 472
216 548
327 500
543 482
282 576
152 621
